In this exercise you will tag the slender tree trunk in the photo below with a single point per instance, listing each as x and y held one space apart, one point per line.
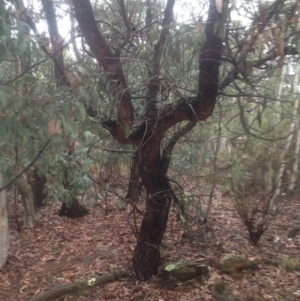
295 171
75 209
134 186
285 151
3 227
27 199
146 257
38 184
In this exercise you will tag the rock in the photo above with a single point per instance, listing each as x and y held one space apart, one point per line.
221 291
187 273
183 270
232 263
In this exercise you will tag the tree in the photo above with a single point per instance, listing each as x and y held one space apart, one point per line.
158 114
148 134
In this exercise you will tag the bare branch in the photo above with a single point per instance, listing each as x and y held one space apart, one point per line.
56 40
167 152
149 16
126 22
153 85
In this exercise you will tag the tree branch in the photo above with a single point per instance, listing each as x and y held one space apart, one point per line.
112 67
153 84
126 22
77 285
27 167
167 151
56 40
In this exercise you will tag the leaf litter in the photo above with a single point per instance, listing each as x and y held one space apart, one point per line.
60 250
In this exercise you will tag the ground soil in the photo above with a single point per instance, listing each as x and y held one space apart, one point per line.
61 250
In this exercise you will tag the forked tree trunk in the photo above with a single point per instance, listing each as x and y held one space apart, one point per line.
148 134
146 257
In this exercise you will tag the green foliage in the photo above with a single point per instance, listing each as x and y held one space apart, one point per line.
247 133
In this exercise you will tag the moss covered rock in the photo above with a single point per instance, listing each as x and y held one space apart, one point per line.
183 270
232 263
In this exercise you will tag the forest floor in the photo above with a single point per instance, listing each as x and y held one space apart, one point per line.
61 250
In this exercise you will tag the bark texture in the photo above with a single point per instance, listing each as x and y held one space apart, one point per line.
146 258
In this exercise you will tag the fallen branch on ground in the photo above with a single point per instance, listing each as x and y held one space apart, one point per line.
77 285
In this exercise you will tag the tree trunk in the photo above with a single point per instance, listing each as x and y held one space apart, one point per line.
27 199
285 151
146 257
3 227
134 186
74 210
295 171
37 183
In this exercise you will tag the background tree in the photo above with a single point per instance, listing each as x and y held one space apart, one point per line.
3 228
